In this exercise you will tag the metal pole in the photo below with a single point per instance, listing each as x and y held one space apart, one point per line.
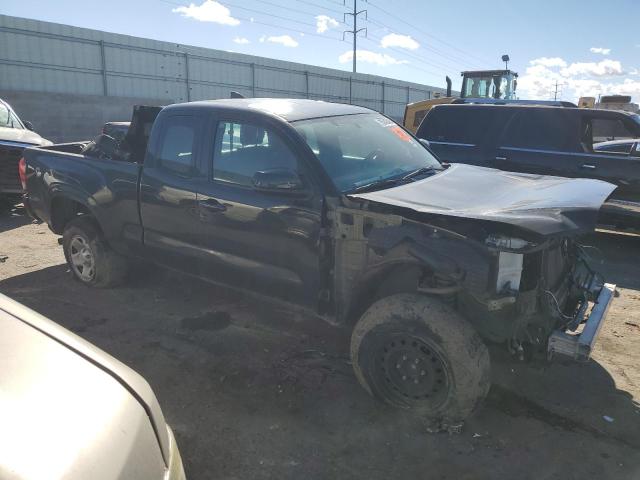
253 80
355 33
186 75
306 79
103 61
350 90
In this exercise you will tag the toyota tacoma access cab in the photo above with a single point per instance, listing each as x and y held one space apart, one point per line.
339 209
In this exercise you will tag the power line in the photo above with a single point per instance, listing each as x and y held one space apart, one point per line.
421 31
432 63
258 22
451 58
322 6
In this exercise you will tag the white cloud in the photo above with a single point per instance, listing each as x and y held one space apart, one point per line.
600 69
401 41
603 51
241 40
284 40
576 80
325 22
208 11
381 59
549 62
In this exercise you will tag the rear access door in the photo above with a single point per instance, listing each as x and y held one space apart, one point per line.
173 167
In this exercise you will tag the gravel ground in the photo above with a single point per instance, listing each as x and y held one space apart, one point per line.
256 390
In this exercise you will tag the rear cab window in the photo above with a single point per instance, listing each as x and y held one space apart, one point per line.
177 150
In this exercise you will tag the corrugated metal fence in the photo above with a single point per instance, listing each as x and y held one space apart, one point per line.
48 57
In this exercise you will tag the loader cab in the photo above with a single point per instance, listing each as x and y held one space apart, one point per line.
496 84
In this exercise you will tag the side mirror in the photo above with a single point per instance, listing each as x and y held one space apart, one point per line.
281 180
29 125
106 145
425 143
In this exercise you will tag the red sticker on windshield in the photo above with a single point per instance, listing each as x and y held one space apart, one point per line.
400 133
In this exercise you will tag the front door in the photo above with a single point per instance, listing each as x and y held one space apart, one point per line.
621 168
261 240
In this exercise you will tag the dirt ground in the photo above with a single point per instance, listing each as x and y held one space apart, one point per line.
256 390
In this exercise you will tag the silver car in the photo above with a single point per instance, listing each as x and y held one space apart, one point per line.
69 410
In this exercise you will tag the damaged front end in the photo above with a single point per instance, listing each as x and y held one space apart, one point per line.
547 295
499 247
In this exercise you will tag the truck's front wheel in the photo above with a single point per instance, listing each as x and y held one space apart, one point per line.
90 259
414 352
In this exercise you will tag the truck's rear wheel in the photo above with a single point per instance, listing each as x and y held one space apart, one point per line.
414 352
89 257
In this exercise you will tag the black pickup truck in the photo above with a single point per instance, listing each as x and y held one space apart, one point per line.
340 210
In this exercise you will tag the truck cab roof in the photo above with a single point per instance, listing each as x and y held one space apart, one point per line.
290 110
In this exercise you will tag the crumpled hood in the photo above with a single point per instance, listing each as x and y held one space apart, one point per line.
542 204
19 135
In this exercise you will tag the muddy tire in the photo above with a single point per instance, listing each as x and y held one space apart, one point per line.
414 352
90 259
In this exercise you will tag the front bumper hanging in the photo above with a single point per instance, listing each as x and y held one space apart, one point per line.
579 346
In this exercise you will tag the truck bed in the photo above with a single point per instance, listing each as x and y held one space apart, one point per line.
108 187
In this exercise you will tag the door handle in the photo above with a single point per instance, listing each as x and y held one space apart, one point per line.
501 158
588 166
212 205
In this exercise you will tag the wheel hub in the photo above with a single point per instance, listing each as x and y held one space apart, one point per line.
413 369
82 259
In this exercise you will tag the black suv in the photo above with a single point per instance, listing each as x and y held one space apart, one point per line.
543 140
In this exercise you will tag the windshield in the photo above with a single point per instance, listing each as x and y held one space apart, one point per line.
359 149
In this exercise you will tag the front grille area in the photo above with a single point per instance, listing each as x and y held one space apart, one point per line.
556 264
546 268
9 177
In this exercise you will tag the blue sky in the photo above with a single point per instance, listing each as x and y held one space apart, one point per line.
587 48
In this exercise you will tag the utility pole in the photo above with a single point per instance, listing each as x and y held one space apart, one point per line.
555 93
355 30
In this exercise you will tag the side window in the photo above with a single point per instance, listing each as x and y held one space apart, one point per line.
242 150
543 130
418 117
604 129
15 123
624 148
5 117
178 144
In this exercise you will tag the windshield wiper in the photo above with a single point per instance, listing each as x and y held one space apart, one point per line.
420 171
382 183
375 185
